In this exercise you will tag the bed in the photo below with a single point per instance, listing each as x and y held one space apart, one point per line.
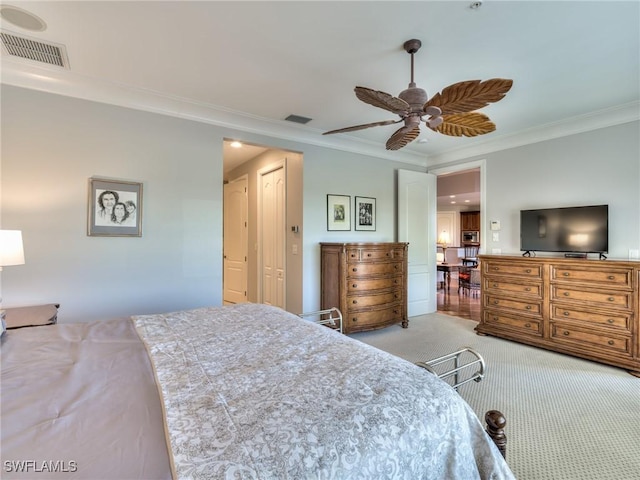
236 392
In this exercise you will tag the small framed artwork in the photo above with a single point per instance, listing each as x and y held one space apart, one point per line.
338 212
365 213
114 209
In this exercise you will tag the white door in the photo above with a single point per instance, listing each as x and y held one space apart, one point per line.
417 225
271 233
235 241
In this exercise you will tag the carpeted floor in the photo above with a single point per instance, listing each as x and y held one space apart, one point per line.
567 418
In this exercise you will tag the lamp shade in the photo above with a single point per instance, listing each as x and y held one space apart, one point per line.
11 250
443 239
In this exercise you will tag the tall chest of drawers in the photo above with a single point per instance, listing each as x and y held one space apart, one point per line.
586 308
367 282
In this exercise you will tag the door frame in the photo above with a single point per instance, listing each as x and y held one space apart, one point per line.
460 167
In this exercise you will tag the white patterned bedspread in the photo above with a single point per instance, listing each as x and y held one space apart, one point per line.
253 392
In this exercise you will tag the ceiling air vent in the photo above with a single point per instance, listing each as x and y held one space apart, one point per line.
31 49
298 119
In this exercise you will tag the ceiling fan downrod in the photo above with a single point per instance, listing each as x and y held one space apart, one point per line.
411 47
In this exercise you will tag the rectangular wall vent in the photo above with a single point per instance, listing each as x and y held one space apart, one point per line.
36 50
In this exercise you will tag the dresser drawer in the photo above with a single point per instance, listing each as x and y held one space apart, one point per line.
507 287
364 284
604 276
594 297
370 269
569 334
363 301
373 318
523 325
515 304
374 254
520 270
618 320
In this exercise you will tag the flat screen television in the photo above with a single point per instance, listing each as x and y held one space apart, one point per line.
570 229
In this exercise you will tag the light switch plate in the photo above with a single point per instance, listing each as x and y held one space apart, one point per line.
496 237
495 225
634 254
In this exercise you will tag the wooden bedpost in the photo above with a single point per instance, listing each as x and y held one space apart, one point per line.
495 428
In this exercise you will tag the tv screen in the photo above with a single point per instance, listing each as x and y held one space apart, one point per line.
570 229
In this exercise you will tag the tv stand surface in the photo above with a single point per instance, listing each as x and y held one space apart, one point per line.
572 306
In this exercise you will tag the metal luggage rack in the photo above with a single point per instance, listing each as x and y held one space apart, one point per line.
331 317
457 366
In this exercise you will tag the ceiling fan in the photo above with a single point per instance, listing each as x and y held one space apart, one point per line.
451 112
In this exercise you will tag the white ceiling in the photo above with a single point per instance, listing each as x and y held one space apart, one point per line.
248 65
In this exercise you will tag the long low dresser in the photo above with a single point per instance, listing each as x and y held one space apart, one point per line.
586 308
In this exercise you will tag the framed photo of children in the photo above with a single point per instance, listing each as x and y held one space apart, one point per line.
338 212
365 213
114 209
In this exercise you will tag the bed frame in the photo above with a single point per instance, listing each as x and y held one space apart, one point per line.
494 419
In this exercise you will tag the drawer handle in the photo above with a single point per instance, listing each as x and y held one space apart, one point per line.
611 299
610 320
566 274
396 296
611 277
355 285
528 307
496 268
565 333
353 255
566 294
368 254
528 289
528 270
495 302
354 319
396 312
354 270
397 267
355 302
527 325
611 342
388 254
395 281
565 313
495 319
495 285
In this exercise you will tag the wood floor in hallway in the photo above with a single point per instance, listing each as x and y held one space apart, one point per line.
459 305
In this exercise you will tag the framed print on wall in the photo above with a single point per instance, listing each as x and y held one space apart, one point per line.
114 209
365 213
338 212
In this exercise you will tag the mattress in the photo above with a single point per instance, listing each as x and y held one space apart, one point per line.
246 391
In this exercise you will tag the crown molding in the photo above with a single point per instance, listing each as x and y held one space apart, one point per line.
609 117
59 81
63 82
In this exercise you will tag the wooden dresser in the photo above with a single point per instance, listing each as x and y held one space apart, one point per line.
586 308
367 282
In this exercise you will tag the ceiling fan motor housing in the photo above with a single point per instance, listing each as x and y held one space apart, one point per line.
415 97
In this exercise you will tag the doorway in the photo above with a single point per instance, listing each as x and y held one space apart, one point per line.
274 225
460 188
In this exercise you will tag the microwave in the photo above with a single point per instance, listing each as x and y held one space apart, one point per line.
470 237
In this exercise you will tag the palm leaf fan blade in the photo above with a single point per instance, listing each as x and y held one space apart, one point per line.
469 124
470 95
402 137
382 100
362 127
